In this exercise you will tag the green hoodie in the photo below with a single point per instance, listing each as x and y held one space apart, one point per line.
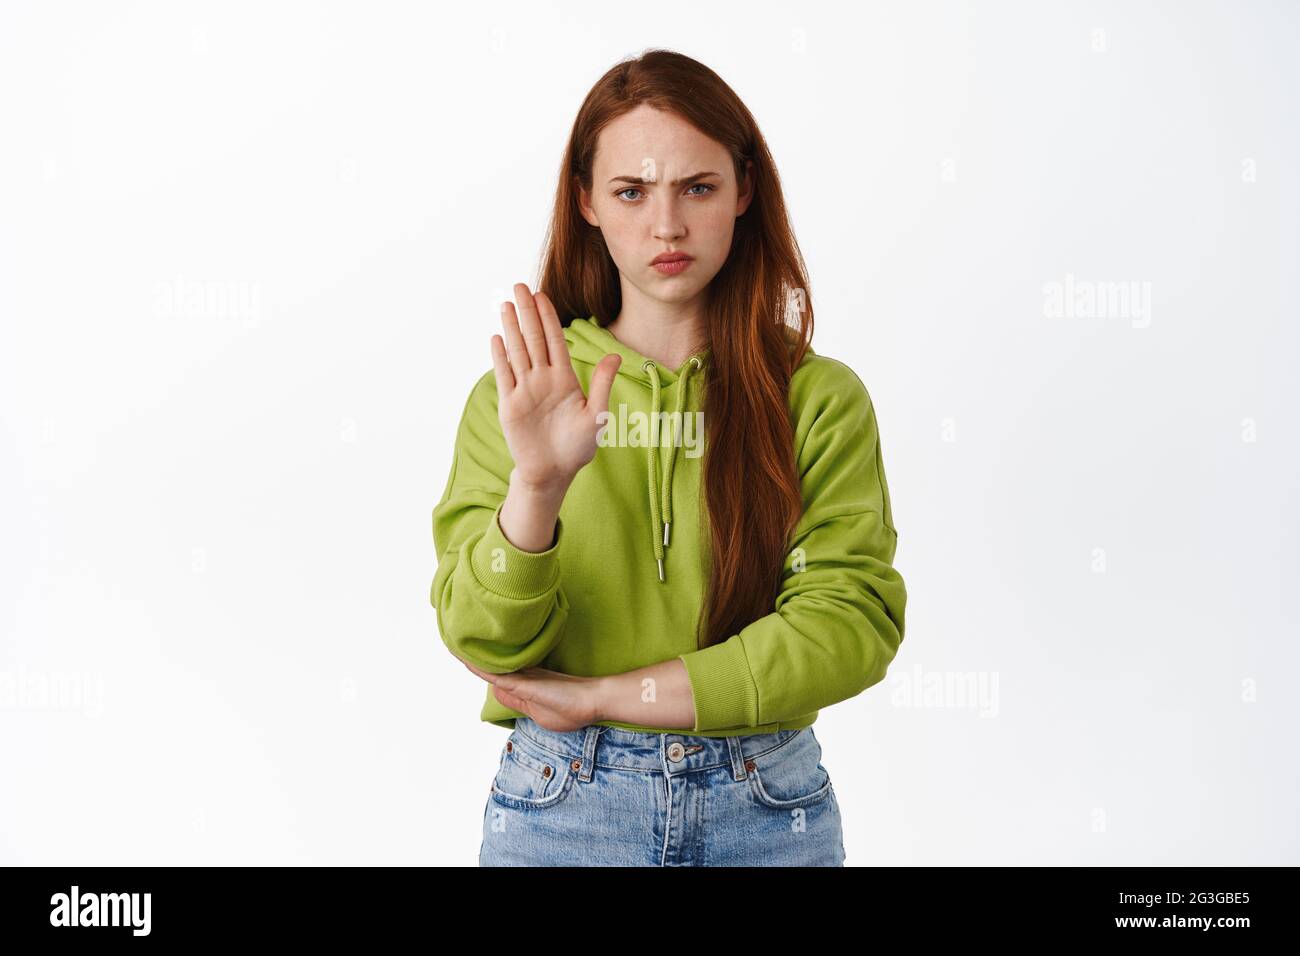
622 584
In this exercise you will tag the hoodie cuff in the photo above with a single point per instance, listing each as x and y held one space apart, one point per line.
511 572
723 688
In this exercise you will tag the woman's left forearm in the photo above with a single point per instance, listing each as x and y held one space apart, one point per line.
655 696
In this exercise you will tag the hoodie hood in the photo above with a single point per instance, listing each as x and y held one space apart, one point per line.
589 343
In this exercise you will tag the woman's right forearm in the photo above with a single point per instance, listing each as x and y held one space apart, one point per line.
529 513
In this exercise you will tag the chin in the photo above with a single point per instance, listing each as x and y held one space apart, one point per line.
674 293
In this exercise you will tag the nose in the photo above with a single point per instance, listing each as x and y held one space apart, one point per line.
669 225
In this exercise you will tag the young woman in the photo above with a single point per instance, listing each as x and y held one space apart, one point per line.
666 539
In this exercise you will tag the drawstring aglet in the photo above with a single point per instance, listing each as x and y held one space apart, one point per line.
665 534
661 568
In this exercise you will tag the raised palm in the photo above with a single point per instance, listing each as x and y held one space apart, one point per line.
549 425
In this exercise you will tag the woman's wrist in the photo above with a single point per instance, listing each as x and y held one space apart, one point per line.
542 491
603 691
656 696
529 514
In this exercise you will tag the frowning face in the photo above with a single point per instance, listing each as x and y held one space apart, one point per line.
660 186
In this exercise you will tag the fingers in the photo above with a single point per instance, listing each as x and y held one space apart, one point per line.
533 335
602 381
530 325
501 364
557 348
507 699
487 675
516 350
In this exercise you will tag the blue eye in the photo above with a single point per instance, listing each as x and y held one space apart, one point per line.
633 189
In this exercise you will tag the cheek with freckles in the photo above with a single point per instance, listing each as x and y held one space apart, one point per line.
710 240
626 238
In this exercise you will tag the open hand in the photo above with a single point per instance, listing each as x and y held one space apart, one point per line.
550 426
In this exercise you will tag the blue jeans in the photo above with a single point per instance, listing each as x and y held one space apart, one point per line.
605 796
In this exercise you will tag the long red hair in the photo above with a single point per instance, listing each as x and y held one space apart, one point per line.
758 327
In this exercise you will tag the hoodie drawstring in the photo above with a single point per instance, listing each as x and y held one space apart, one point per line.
664 499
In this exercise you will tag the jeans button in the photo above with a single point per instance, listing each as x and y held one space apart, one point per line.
676 751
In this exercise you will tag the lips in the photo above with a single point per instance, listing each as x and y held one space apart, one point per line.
672 264
668 257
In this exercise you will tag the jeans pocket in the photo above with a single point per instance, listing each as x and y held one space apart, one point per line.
791 775
529 777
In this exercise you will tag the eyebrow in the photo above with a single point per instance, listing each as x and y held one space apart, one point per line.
685 180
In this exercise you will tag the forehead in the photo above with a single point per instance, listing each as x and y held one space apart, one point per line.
646 133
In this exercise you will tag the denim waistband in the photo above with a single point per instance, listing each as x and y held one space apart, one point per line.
600 745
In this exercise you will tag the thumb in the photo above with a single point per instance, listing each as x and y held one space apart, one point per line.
602 382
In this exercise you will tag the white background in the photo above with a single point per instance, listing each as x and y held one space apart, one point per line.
215 507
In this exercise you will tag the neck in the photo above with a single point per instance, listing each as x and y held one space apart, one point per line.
668 332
